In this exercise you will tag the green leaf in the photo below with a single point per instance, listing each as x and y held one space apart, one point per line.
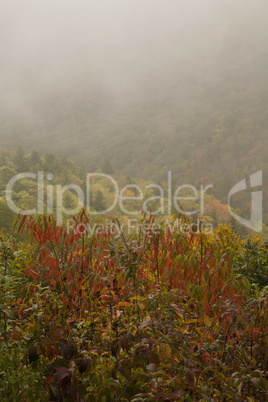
145 324
258 382
8 313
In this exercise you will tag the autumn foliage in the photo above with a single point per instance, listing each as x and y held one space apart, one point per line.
158 316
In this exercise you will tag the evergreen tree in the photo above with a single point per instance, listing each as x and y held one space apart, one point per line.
99 201
7 217
34 161
19 159
6 173
69 201
107 167
50 159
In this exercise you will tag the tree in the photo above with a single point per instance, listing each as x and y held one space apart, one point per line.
7 217
34 161
214 217
19 160
6 173
99 201
69 201
253 262
107 167
50 159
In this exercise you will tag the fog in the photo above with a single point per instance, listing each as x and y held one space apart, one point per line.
149 85
99 69
117 44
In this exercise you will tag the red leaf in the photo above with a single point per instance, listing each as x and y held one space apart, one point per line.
190 377
70 258
64 377
62 373
83 365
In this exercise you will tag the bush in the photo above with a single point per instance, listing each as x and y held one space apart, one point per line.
252 262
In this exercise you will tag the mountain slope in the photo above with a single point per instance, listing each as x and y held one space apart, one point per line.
189 96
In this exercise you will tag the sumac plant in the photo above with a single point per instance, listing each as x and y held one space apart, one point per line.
158 316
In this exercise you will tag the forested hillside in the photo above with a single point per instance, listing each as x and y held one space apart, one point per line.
133 201
187 98
59 172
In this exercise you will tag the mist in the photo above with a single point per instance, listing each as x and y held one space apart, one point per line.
133 200
120 46
135 80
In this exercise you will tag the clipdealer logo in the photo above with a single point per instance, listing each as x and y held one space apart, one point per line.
255 221
54 195
50 197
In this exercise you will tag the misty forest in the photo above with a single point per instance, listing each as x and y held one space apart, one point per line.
133 200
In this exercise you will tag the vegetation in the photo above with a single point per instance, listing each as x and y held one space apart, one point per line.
61 171
253 262
192 101
136 306
158 316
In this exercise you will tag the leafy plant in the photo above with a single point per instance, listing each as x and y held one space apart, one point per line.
252 262
157 316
